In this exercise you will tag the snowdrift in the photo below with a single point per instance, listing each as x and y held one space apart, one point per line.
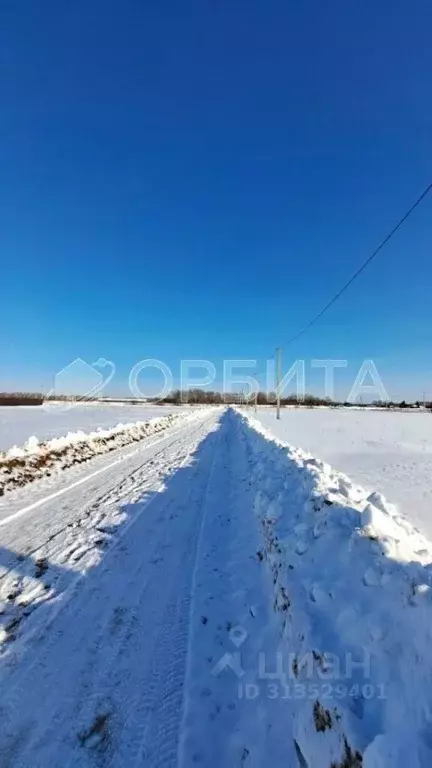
22 465
351 590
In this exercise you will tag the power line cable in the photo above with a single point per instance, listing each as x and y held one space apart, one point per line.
362 267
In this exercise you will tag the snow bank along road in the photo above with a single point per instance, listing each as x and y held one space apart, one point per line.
34 460
51 420
379 449
214 599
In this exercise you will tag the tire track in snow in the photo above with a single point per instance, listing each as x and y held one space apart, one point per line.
167 622
148 445
231 622
83 545
159 744
131 486
103 664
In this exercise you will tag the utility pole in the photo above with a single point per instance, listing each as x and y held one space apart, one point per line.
278 380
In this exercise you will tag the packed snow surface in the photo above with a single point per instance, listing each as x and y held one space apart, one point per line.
18 423
390 452
214 598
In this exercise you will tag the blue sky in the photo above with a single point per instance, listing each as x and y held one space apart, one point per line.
197 179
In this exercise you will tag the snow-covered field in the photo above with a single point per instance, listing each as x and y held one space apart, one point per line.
210 596
18 423
390 452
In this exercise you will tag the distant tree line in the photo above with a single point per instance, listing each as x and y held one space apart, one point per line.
194 397
21 398
210 397
35 398
201 396
401 404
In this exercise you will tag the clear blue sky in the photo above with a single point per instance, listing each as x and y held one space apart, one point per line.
196 179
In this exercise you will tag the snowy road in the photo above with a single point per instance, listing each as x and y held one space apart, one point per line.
145 603
96 605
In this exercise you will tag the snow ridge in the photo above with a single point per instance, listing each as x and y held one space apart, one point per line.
351 582
22 465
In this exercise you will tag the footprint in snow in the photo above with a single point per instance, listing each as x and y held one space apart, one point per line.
371 578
